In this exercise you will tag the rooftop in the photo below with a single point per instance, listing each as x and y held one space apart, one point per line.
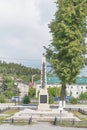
56 80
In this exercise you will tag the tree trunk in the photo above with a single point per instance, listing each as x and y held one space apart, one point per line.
62 96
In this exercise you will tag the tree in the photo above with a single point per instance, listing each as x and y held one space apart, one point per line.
53 91
32 92
19 71
83 96
74 100
8 86
67 49
26 99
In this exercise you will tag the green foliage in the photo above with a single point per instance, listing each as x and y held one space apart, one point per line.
51 99
26 99
32 92
2 98
9 93
8 86
19 71
67 49
83 96
53 91
11 72
74 100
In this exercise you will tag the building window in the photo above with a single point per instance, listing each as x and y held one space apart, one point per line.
71 87
77 93
70 93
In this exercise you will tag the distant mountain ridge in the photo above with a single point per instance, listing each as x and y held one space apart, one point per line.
19 71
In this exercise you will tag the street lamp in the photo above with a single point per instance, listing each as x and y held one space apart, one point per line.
34 83
33 78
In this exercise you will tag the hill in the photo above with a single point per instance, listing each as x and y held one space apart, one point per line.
19 71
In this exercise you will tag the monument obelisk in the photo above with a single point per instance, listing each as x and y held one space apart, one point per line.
43 95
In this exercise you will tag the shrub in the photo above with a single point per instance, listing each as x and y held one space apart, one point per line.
26 99
83 96
73 100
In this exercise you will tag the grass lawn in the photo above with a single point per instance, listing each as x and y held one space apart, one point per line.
11 112
81 116
7 114
79 124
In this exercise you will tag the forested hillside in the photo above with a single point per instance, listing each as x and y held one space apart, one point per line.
19 71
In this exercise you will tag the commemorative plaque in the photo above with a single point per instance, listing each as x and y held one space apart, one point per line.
43 98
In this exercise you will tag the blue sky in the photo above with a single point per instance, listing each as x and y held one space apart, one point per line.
24 29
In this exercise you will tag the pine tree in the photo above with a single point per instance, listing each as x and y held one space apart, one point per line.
67 49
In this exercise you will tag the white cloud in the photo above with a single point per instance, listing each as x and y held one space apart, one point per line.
24 27
18 12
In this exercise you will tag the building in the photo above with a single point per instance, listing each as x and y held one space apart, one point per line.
74 89
51 82
79 87
23 88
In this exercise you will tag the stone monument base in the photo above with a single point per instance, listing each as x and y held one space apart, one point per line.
43 100
39 115
43 107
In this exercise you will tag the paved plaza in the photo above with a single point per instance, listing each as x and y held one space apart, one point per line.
37 126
